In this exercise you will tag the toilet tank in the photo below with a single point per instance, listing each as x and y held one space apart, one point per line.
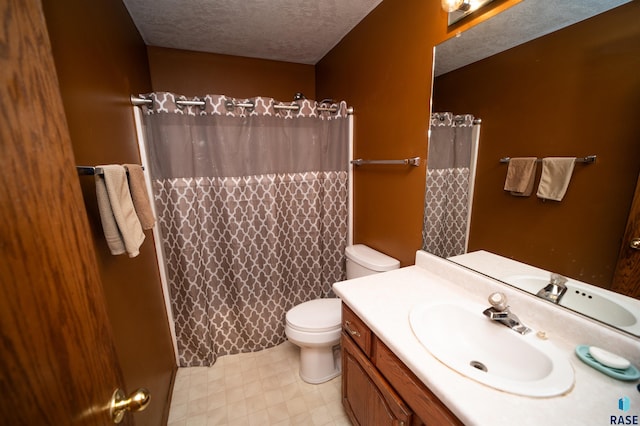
363 260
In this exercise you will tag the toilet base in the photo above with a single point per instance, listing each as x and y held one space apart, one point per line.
320 364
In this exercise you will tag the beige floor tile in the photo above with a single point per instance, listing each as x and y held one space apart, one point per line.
234 394
271 383
240 421
180 396
258 418
198 391
256 403
262 388
217 400
320 416
199 420
296 406
217 416
236 409
197 407
277 413
313 400
178 412
253 387
302 419
273 397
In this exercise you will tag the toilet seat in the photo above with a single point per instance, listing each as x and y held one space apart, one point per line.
315 316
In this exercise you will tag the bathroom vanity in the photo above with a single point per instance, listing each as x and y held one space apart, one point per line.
390 376
377 388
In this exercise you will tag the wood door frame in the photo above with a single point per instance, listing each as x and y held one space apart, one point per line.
626 279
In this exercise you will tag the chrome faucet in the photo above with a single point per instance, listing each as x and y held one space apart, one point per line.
554 291
499 311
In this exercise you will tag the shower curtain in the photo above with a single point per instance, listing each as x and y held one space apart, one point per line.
447 197
252 209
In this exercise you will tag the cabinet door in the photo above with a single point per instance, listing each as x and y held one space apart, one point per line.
367 397
423 402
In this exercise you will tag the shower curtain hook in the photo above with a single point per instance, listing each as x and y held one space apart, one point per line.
229 104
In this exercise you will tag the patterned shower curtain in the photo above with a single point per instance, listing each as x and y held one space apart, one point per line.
252 208
447 190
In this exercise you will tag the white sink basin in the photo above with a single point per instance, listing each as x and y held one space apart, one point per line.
593 302
463 339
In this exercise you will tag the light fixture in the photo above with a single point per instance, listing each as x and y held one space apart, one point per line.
453 5
458 9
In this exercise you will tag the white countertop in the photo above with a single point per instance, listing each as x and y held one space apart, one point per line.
383 302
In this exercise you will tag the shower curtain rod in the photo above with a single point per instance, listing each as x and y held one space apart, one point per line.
91 170
230 104
457 118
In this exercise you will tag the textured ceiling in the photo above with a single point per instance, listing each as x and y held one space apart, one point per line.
525 21
300 31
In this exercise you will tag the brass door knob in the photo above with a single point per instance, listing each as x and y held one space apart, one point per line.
635 244
120 403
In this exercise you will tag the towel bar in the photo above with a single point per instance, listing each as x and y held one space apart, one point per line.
589 159
90 170
415 161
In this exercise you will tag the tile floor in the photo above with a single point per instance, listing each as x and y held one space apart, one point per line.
261 388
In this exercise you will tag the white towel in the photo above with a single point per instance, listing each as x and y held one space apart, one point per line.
119 220
555 178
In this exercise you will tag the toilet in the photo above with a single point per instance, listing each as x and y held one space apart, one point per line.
315 326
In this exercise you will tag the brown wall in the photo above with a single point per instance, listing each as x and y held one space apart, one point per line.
198 73
383 68
567 94
101 60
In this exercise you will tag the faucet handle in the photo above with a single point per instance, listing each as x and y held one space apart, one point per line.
498 301
557 279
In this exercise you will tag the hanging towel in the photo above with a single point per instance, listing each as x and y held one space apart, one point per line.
109 225
120 223
556 174
139 195
521 174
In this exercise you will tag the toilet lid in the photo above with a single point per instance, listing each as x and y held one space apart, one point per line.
315 315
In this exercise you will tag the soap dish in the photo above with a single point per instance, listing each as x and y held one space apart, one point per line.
629 374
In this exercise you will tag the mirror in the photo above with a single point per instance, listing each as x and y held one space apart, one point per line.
575 91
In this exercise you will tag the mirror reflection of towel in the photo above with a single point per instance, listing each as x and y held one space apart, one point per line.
555 178
521 174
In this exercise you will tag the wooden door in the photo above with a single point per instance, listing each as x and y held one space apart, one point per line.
626 279
58 361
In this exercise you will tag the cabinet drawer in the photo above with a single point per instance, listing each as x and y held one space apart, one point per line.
356 329
422 401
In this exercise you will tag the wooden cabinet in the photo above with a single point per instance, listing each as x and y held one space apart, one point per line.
377 388
366 395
